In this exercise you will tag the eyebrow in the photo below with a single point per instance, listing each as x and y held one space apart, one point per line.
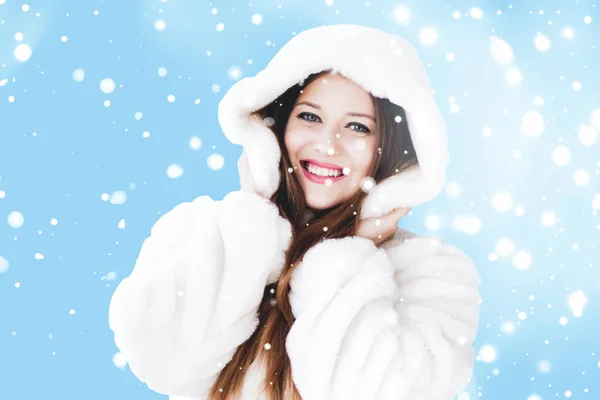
353 114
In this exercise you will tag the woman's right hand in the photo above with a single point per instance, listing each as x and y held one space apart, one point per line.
380 229
246 180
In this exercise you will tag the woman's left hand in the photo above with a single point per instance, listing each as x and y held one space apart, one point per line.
380 229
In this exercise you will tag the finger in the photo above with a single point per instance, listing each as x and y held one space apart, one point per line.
394 216
401 212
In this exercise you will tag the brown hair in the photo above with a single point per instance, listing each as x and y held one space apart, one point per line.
395 153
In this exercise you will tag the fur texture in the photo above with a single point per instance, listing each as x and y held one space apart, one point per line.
388 67
392 323
395 322
193 295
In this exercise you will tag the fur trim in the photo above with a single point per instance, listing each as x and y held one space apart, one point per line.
390 323
390 68
193 295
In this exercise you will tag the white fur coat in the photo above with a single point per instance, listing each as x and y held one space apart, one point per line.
395 322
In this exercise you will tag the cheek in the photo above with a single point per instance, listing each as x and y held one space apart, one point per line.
295 141
361 151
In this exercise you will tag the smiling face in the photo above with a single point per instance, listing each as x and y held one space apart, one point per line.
330 138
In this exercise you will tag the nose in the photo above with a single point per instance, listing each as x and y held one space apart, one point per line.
327 142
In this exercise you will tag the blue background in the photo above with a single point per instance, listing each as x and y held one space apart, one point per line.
61 149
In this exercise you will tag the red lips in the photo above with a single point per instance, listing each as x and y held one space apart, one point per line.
322 164
317 178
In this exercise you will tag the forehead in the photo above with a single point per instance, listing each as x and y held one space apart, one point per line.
334 91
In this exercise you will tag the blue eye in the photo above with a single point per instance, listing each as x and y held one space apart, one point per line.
305 114
363 128
309 117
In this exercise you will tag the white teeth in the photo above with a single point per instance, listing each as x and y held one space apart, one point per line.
323 171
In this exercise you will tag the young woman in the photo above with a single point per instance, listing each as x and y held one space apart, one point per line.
301 285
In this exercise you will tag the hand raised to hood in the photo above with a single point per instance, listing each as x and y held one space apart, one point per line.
380 229
246 181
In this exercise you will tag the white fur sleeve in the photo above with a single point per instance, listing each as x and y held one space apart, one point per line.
193 295
377 324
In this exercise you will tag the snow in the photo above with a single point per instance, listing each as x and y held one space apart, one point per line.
256 19
532 123
501 51
234 73
360 144
433 222
502 202
513 76
428 36
567 33
367 184
522 260
215 161
548 219
195 143
107 85
487 354
468 224
118 197
3 265
581 177
508 327
577 302
505 247
401 14
119 360
22 52
174 171
561 156
476 13
587 135
544 366
542 43
78 75
15 219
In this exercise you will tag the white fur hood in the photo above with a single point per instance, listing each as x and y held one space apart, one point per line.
388 67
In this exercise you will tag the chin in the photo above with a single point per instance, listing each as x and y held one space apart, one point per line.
321 204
